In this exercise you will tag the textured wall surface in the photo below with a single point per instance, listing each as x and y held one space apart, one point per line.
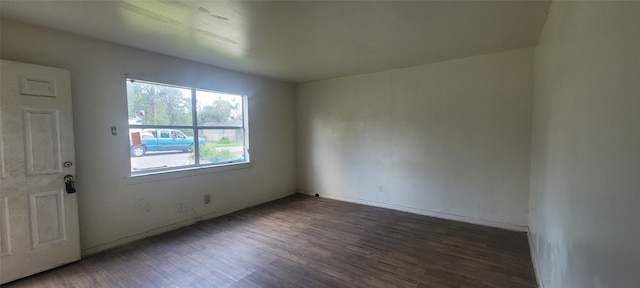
114 208
585 181
450 139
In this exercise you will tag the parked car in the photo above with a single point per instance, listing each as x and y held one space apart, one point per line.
161 140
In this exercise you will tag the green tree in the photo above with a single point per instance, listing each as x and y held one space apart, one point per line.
218 112
162 105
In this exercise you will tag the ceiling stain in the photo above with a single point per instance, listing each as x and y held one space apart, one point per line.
206 11
175 3
149 14
215 36
219 17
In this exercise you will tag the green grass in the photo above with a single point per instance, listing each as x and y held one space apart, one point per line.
232 144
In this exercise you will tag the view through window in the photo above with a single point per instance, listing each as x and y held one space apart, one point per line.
170 125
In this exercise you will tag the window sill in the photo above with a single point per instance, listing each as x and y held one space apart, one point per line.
155 176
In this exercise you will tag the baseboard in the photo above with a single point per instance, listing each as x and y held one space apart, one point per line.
426 212
533 259
177 225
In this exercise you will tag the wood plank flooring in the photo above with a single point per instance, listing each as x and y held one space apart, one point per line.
303 241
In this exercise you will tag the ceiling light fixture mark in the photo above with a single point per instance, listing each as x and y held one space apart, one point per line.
216 36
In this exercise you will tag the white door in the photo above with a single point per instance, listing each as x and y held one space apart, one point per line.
38 217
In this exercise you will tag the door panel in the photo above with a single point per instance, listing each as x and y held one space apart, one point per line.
42 143
39 225
5 247
47 218
1 146
37 86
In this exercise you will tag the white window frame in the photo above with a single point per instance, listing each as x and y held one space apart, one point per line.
209 167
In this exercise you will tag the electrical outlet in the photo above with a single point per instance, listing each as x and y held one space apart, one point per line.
206 199
182 207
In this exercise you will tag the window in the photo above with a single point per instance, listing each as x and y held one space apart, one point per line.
170 125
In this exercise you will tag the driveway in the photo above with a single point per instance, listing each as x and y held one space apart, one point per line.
160 159
165 159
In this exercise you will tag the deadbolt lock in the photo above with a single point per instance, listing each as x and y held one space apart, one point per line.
69 184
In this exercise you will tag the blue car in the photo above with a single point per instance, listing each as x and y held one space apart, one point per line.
162 140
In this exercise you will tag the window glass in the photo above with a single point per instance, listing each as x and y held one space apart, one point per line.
223 146
157 104
162 125
219 109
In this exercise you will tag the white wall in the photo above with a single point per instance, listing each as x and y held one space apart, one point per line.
110 211
450 139
585 180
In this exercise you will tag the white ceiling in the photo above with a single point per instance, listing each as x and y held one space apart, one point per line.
298 40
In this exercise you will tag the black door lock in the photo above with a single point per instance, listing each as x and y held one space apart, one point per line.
69 184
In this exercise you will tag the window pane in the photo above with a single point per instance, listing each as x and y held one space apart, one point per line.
155 104
153 149
162 127
218 109
223 146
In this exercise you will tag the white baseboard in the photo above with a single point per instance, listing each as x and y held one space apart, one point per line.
533 259
426 212
177 225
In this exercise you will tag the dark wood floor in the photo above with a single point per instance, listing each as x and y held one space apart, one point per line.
302 241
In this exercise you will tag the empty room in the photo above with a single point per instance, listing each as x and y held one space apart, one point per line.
178 143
